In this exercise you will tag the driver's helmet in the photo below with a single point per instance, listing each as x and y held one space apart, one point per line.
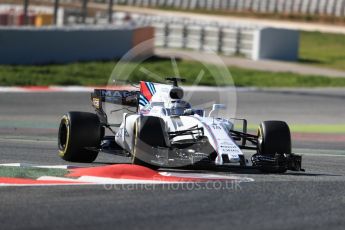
178 107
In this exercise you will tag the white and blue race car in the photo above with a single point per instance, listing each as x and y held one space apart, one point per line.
157 128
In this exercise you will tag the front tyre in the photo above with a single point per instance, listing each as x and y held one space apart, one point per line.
274 143
79 137
274 137
148 134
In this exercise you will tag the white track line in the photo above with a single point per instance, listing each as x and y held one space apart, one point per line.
28 165
206 176
10 89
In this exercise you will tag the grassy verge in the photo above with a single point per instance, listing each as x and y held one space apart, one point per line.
98 73
311 128
30 172
325 50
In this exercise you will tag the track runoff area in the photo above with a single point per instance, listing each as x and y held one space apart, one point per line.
110 191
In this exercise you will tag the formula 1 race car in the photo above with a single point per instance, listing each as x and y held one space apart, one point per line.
156 128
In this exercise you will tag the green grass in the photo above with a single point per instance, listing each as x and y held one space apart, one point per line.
311 128
270 79
30 172
87 73
326 50
98 73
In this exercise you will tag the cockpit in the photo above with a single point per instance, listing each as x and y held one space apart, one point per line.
175 108
164 99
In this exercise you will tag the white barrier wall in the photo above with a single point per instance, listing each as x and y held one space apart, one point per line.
278 44
253 43
61 45
224 38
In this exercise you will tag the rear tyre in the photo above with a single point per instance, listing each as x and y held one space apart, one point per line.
79 137
274 138
149 133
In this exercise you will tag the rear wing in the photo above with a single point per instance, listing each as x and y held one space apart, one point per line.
111 104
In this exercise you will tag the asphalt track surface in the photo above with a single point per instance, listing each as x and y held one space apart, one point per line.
314 199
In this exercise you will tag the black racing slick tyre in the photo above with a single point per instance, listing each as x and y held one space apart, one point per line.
274 147
79 137
274 137
149 133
